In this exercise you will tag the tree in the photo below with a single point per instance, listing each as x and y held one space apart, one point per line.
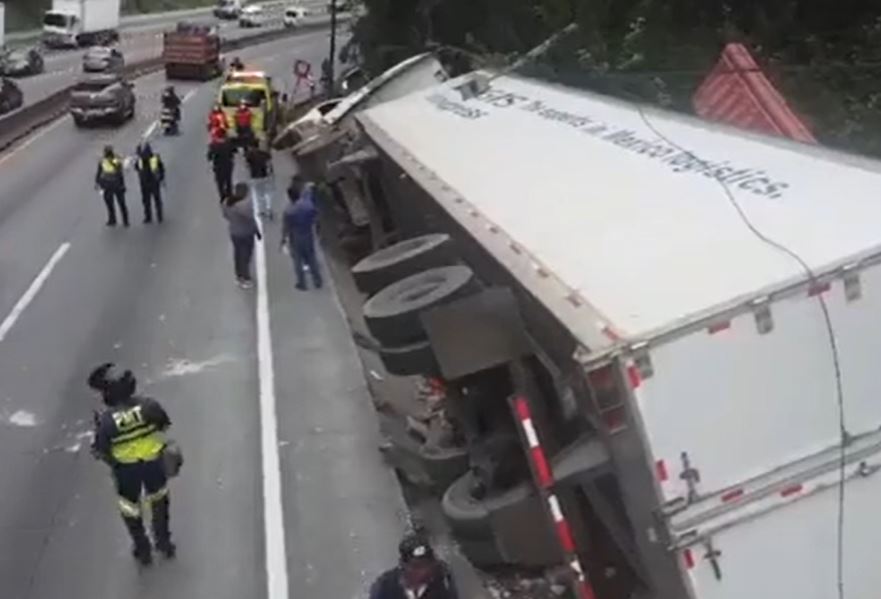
821 53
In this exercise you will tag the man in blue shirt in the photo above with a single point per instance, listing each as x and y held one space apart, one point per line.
298 231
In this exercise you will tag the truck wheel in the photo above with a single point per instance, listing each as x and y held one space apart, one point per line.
392 315
401 260
467 517
409 360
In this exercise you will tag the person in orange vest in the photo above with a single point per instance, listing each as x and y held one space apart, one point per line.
244 119
217 122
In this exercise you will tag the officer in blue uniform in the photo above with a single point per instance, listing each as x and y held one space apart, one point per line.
129 438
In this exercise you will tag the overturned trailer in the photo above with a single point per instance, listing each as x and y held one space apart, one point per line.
693 312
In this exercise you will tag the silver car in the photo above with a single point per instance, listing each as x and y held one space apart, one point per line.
101 59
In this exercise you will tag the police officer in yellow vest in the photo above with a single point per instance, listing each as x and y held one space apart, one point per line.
110 179
151 173
129 437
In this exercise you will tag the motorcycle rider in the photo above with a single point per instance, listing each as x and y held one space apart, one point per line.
129 438
171 101
236 64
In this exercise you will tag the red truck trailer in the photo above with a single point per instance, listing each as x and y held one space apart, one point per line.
192 51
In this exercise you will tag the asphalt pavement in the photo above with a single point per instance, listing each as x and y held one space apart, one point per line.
137 43
162 300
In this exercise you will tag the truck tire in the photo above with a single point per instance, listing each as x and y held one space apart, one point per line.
409 360
392 315
467 517
384 267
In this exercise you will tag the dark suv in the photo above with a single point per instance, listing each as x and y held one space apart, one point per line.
105 97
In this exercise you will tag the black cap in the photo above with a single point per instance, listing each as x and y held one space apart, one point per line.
113 384
415 546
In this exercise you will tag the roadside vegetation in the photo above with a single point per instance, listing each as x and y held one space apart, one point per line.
822 55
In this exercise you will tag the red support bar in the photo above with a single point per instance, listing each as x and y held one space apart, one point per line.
564 533
661 470
732 495
719 327
789 491
633 376
542 469
544 479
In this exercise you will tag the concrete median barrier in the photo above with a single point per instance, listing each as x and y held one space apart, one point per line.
22 122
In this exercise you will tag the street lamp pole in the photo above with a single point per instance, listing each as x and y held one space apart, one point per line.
332 58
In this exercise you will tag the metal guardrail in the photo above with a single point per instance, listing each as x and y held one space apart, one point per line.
23 121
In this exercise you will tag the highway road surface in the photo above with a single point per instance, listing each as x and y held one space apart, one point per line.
137 44
283 493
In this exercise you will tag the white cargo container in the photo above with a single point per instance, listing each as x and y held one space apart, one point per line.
722 291
81 22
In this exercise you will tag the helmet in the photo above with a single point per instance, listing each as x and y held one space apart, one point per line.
108 151
415 546
114 385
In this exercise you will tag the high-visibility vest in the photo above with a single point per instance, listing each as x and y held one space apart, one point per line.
136 440
152 164
109 166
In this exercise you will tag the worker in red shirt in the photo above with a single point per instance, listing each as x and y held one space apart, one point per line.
244 118
217 123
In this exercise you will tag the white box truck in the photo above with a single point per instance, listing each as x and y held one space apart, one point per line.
72 23
708 305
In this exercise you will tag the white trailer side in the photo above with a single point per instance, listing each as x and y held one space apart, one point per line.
700 264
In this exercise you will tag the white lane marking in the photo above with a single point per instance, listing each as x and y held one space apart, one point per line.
273 510
152 128
32 291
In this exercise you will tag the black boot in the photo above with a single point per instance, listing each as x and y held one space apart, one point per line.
141 550
161 529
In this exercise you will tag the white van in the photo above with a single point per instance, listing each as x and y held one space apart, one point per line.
294 15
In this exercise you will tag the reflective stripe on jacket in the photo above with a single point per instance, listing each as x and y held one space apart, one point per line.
143 444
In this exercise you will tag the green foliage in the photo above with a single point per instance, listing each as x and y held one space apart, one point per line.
822 54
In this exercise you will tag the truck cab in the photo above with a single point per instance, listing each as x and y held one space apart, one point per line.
71 23
60 29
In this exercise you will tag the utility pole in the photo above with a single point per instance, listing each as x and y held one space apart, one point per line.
332 58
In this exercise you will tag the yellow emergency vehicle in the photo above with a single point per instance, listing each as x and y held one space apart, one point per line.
254 88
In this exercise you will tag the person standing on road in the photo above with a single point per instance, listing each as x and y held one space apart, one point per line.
298 232
151 173
243 229
221 154
129 438
217 125
244 118
110 179
419 574
260 166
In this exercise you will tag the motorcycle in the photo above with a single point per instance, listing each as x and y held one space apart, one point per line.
168 118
